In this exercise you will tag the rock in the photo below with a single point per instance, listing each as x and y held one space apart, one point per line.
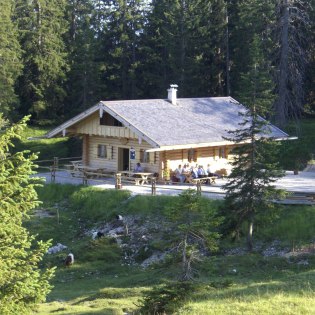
55 249
155 258
117 231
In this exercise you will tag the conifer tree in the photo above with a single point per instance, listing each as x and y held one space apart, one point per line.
195 223
22 283
84 87
183 43
250 27
42 26
249 190
120 24
10 58
291 59
256 84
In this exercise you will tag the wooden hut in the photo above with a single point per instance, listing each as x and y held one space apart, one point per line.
158 133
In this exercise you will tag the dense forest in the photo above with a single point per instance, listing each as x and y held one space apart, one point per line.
59 57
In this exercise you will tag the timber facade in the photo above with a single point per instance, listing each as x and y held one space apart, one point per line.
158 133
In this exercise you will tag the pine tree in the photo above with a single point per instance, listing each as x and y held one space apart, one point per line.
256 85
22 283
184 43
249 190
120 25
195 224
42 26
250 24
84 87
291 59
10 58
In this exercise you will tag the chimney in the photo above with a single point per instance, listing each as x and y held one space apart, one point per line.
172 93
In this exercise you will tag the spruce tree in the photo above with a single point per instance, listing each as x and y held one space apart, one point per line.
249 190
42 26
10 58
250 26
256 84
22 283
120 25
184 43
194 226
83 87
290 59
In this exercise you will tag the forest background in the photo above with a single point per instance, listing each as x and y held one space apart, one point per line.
59 57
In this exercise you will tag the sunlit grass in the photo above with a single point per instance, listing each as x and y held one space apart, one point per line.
101 283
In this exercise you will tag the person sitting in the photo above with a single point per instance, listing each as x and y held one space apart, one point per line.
210 172
194 172
186 168
179 174
201 172
138 168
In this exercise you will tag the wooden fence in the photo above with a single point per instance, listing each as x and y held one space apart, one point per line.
57 165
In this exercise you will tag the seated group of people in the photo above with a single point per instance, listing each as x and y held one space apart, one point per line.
196 171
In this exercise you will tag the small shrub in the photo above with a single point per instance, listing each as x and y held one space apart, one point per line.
166 299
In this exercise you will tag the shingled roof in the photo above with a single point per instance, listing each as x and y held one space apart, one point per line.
191 121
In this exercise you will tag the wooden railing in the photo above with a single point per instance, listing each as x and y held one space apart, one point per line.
101 175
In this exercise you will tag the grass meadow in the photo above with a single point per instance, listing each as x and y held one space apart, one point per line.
100 282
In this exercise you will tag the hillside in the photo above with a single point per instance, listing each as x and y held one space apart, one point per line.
111 274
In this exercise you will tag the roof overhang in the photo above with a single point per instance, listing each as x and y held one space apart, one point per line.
206 144
190 146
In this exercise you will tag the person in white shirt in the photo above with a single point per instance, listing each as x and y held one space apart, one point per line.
138 168
179 174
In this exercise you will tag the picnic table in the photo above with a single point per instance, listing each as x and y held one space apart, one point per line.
190 179
140 178
203 180
91 170
77 169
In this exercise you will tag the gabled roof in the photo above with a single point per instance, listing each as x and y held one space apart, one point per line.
191 122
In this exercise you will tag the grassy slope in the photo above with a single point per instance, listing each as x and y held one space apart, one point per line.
100 283
47 149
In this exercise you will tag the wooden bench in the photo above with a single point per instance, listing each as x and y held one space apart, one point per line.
222 172
136 180
203 180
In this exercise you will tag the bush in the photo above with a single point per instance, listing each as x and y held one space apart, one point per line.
166 299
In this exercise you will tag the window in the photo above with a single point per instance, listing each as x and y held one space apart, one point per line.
222 153
144 156
191 155
102 151
108 120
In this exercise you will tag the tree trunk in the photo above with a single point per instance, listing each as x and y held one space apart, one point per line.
250 236
186 262
281 106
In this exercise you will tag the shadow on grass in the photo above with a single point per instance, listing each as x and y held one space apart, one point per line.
105 311
266 277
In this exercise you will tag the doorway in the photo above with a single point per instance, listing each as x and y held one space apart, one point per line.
123 159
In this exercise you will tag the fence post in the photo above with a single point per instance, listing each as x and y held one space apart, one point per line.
199 188
84 178
118 181
53 169
153 186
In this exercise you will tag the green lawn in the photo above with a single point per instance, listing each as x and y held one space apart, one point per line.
101 283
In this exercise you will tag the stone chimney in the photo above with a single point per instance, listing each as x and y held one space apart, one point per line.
172 91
